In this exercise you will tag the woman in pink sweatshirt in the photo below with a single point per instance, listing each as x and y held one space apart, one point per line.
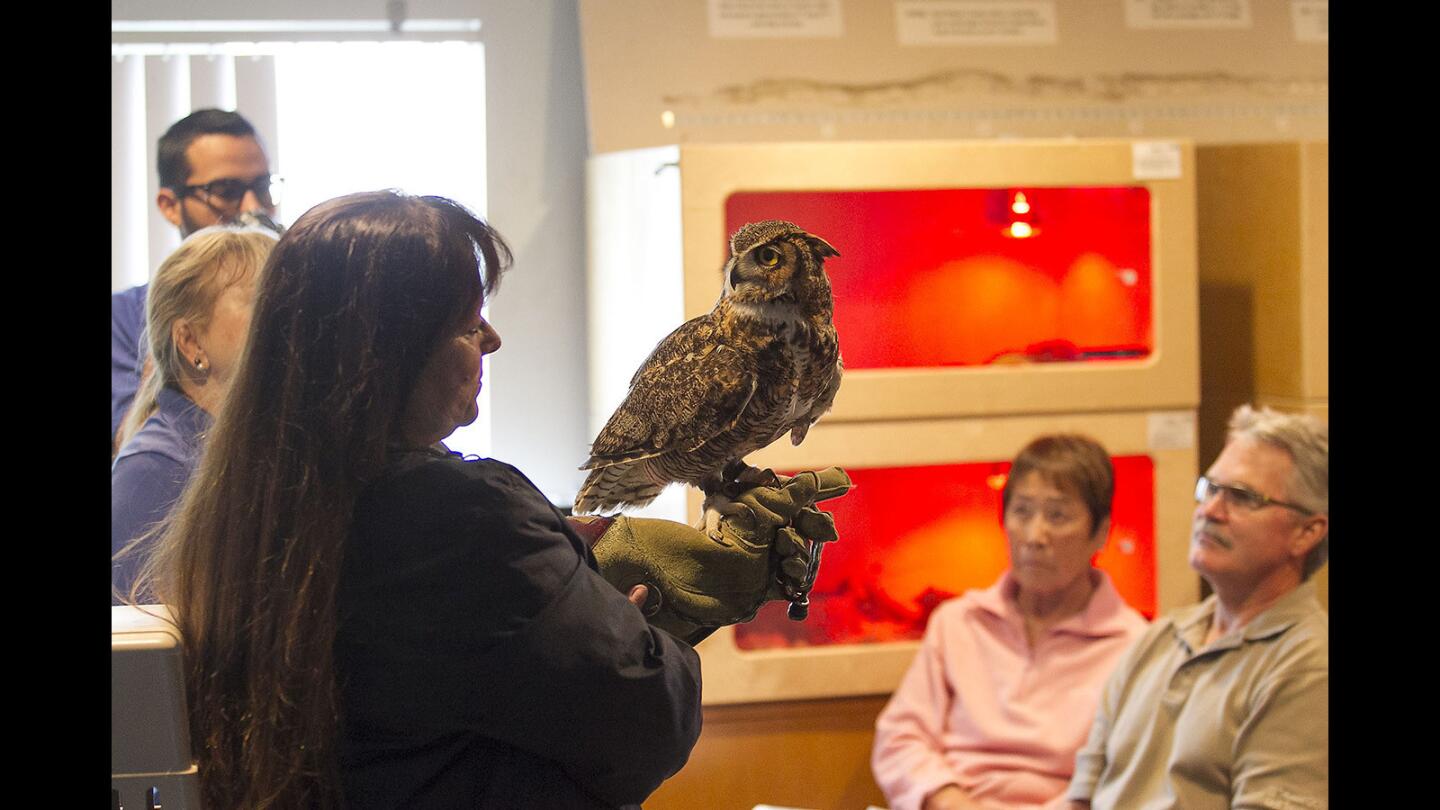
1003 689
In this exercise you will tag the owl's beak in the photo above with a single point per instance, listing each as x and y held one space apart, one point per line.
732 277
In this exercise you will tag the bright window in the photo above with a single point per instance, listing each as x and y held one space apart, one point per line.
360 116
348 116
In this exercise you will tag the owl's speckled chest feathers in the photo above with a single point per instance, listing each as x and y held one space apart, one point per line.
796 360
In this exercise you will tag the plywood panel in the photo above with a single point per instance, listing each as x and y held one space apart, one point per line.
1264 268
664 72
809 754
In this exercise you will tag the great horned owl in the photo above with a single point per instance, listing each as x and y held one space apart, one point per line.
763 361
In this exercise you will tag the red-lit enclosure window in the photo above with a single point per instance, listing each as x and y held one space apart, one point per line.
912 537
963 277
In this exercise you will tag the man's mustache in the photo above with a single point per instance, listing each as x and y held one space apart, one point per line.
1208 530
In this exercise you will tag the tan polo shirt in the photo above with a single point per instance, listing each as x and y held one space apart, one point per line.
1242 723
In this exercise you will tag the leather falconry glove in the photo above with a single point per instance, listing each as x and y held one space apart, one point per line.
759 546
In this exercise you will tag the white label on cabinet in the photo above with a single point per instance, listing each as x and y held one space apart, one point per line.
1170 430
975 22
1156 160
771 19
1312 20
1187 13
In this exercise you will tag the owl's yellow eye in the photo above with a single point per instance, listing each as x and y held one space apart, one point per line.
767 256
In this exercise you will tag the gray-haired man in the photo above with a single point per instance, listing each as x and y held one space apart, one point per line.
1226 703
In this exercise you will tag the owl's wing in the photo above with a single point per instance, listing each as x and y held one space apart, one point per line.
679 399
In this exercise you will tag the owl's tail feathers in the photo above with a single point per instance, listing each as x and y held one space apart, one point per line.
616 485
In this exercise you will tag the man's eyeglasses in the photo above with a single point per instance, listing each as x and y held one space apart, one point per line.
1241 497
227 193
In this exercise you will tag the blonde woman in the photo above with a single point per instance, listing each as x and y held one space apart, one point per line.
197 315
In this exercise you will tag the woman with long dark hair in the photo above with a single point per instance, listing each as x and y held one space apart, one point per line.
370 620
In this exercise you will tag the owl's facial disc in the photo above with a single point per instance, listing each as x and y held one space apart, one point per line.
763 272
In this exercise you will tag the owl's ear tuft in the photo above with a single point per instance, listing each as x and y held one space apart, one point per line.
821 246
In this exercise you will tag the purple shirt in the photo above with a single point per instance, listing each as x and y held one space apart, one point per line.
127 321
149 473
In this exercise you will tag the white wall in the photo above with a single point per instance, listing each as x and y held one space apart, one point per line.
537 148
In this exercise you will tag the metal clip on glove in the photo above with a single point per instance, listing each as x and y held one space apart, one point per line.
762 545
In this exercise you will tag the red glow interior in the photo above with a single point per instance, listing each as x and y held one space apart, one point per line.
911 537
930 277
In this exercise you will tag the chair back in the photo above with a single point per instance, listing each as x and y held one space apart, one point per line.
150 763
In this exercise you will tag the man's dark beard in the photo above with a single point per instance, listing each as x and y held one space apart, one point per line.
187 227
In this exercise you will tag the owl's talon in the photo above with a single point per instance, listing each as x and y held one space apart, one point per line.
734 470
756 477
711 487
733 489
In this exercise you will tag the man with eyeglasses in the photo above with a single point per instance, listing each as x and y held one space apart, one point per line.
1226 703
212 169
